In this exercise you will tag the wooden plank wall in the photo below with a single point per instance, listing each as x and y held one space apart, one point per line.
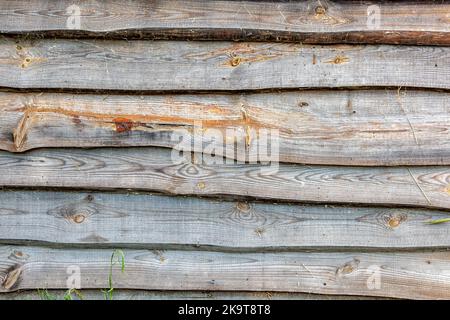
88 115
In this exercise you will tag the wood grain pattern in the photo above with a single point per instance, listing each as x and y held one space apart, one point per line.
406 22
157 169
364 127
118 220
404 275
209 65
124 294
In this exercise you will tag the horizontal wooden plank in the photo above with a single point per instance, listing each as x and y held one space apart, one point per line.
124 294
159 169
138 220
212 65
407 22
364 127
403 275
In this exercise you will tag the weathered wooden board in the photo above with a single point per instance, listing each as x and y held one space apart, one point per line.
124 294
159 169
118 220
325 21
367 127
212 65
403 275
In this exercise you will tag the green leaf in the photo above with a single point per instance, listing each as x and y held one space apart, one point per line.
68 296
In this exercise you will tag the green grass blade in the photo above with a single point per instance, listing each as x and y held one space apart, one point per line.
45 295
438 221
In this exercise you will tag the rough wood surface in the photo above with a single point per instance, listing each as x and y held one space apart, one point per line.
403 275
123 294
406 22
159 169
118 220
364 127
212 65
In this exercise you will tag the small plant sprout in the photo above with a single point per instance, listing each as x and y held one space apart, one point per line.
68 294
45 295
117 257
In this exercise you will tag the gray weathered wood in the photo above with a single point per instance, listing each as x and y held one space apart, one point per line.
323 21
92 294
159 169
210 65
148 220
403 275
367 127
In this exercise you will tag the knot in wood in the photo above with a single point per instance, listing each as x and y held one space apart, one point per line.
340 59
394 220
243 207
201 185
79 218
303 104
12 277
348 267
320 10
235 61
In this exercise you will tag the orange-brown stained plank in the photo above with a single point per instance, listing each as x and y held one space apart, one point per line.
212 65
400 22
159 169
364 127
